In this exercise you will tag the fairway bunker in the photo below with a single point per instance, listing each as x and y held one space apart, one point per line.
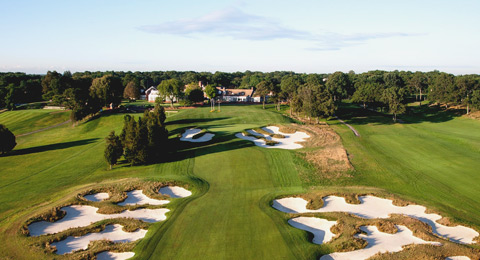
379 242
320 228
97 196
82 216
371 207
174 192
189 134
289 142
136 197
113 233
115 256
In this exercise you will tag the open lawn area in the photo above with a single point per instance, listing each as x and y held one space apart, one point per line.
229 215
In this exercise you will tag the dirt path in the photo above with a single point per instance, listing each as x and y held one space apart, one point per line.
349 126
44 129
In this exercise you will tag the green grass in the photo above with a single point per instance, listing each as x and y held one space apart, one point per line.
433 158
24 121
229 216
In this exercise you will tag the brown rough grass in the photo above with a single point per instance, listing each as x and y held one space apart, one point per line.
326 151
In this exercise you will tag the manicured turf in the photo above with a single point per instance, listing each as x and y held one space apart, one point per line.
24 121
432 158
229 216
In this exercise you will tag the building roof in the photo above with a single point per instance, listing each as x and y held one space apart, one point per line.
235 92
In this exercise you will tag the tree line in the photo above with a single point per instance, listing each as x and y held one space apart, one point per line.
314 95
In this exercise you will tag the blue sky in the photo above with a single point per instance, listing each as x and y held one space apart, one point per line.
312 36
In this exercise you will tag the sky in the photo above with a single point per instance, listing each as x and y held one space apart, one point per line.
304 36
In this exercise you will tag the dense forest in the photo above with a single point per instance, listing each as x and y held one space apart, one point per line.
315 95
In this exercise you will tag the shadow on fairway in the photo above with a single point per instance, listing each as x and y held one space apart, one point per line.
221 142
194 120
353 114
50 147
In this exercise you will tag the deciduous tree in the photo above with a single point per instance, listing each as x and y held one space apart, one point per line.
211 92
131 91
108 89
171 89
394 97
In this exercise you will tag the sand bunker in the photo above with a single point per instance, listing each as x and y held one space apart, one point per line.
320 228
136 197
82 216
458 258
379 242
375 207
175 192
113 233
97 196
189 133
290 141
115 256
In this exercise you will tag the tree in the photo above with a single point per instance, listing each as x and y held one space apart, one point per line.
366 92
263 89
289 86
7 140
108 89
170 89
132 91
394 97
113 149
475 99
145 141
465 87
211 92
316 101
443 88
51 85
11 97
339 85
194 93
419 83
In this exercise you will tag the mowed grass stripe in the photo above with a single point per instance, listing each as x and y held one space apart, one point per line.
232 224
433 163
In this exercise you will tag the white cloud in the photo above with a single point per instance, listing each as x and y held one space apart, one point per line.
237 24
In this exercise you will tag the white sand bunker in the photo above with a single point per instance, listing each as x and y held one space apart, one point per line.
97 196
320 228
136 197
190 133
458 258
175 192
113 233
115 256
375 207
290 141
82 216
379 242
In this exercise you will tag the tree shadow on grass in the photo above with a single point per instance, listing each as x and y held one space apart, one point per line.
221 142
51 147
355 115
190 121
